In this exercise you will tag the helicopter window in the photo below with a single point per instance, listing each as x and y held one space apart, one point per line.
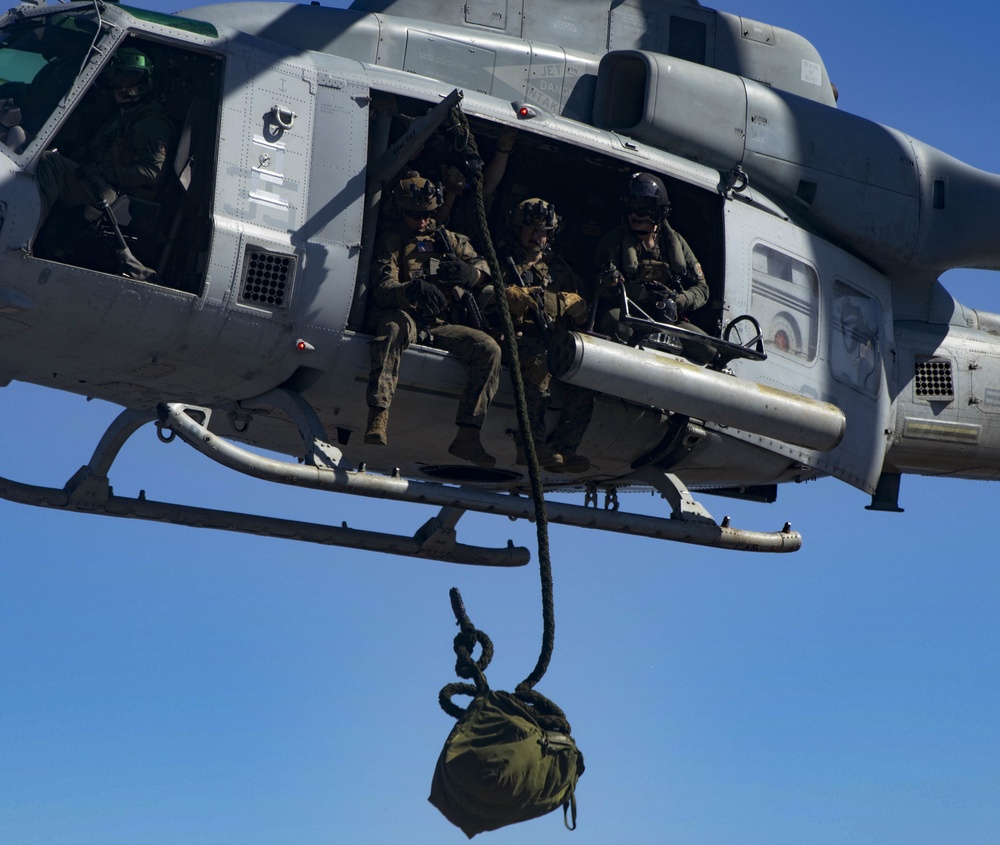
855 343
585 186
785 299
39 59
166 222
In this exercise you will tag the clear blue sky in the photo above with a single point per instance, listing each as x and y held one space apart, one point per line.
167 685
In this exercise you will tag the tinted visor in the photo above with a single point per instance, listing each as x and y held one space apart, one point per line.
125 78
645 206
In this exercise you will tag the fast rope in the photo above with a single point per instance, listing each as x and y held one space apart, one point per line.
521 406
510 757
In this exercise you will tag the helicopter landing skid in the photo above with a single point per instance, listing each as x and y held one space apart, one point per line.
689 523
89 491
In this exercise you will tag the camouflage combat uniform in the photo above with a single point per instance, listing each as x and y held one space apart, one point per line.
670 262
565 310
399 258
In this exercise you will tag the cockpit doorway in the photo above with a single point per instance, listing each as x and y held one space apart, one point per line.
158 182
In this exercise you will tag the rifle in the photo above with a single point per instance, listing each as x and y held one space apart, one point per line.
541 318
473 317
128 264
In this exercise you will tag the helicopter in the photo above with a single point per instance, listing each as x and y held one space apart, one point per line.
822 234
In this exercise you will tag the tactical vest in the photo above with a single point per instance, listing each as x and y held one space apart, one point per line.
115 146
564 309
420 256
670 263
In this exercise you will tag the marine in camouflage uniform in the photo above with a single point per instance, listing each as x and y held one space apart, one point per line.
418 284
544 297
654 264
127 155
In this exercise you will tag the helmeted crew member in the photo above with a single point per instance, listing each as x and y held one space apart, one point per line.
127 155
420 272
659 271
544 296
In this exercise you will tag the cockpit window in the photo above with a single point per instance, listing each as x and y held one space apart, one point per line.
39 59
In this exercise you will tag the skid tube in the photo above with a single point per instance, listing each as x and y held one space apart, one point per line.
89 491
689 523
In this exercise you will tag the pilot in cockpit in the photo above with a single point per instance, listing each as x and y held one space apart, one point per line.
644 256
126 155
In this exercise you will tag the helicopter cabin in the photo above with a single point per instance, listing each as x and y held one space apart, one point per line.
585 185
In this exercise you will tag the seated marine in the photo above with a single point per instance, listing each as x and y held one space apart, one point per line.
543 294
654 265
423 279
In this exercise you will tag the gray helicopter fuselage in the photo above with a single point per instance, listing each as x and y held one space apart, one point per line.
264 281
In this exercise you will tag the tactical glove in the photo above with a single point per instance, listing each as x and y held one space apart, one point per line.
452 179
568 306
610 278
520 300
657 291
426 295
457 272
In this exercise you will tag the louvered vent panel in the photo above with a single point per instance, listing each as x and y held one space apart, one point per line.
932 379
267 278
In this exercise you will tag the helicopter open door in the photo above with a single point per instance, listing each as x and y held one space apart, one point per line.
168 229
583 176
826 322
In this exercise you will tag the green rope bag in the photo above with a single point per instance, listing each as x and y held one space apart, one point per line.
510 757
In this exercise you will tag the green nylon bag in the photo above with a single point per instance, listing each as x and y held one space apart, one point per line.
500 767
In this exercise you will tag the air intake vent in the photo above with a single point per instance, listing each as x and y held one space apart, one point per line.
932 379
267 278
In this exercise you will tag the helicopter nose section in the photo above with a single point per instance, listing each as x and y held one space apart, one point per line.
20 205
8 189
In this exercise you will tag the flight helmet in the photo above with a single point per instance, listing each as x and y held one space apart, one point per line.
646 193
130 72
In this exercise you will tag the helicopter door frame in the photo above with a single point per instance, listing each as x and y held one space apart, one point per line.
176 241
841 358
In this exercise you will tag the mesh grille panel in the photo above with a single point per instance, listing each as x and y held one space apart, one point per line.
932 379
687 39
267 278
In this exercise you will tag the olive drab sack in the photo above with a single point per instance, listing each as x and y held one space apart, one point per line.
500 767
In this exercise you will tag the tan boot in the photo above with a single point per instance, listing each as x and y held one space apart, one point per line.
547 459
467 446
573 463
378 419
